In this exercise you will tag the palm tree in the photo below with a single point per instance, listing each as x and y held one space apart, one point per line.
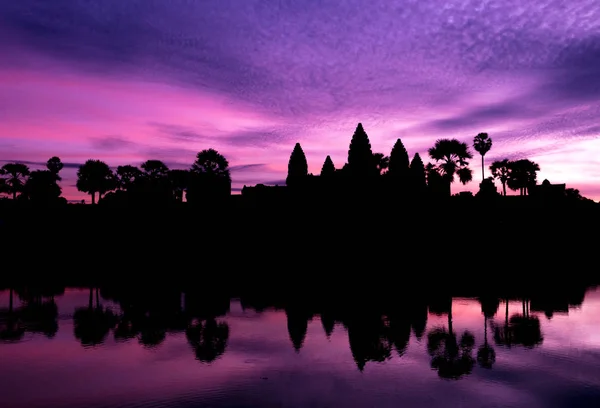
381 161
94 176
523 174
17 174
501 170
482 143
453 156
54 165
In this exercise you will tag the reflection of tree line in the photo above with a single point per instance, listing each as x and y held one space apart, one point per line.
376 332
149 316
145 315
36 314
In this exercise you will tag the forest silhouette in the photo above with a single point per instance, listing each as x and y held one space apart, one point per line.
376 331
377 211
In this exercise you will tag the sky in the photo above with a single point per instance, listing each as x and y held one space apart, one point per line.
127 81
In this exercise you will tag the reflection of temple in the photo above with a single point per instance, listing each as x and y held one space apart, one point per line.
548 191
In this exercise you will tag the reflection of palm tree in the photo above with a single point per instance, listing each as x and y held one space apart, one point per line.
523 329
208 339
526 329
486 355
92 324
503 336
451 359
12 330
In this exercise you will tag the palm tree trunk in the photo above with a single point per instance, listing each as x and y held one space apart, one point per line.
450 318
482 169
93 194
485 330
97 299
506 313
504 188
14 194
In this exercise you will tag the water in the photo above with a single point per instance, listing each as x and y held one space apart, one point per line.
247 358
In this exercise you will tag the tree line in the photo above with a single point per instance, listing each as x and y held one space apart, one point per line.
209 177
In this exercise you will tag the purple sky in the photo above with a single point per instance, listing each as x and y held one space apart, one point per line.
125 81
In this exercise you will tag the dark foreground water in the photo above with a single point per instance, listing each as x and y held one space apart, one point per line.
64 353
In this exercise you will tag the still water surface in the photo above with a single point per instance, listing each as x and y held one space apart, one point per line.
60 353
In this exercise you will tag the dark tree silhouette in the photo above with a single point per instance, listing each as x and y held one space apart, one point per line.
210 178
526 329
11 329
92 324
523 175
486 355
360 155
399 162
435 180
211 162
452 156
180 180
482 144
297 166
503 335
501 171
328 168
42 187
452 359
418 179
208 339
15 176
94 176
154 169
573 194
127 175
54 166
382 162
3 186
